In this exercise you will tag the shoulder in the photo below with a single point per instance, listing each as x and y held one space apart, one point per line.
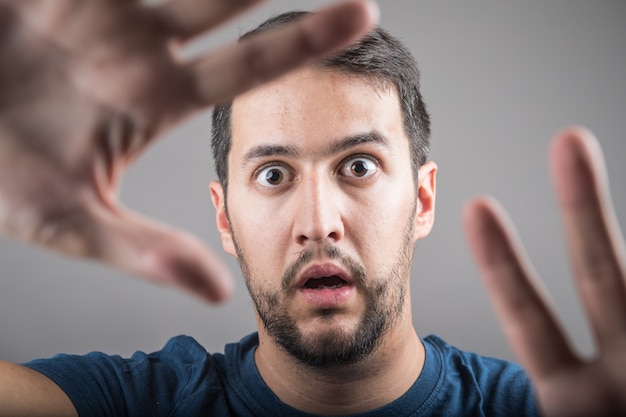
158 382
455 358
178 356
498 386
178 351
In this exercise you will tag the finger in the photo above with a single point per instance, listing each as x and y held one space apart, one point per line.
522 308
261 58
165 255
188 18
595 244
142 247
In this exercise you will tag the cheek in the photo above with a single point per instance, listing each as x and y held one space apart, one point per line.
386 208
378 227
261 232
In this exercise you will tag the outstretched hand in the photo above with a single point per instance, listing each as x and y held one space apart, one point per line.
566 385
87 85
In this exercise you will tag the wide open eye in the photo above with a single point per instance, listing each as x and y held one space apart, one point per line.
358 167
273 175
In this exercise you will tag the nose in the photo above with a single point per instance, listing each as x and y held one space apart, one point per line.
318 214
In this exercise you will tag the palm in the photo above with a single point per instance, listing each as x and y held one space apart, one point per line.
586 389
90 84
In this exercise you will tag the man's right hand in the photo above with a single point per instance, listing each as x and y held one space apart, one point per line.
87 85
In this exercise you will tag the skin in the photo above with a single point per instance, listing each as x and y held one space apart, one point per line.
566 384
115 67
321 202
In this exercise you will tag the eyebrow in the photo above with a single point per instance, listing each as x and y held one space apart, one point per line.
262 151
357 140
349 142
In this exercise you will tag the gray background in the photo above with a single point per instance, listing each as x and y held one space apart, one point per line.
500 79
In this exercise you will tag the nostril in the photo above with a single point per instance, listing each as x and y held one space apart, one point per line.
302 239
317 227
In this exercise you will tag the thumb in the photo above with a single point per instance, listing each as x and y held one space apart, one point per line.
157 252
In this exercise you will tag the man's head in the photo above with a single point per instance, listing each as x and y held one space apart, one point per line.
323 207
380 59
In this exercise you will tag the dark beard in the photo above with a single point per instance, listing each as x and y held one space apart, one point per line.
333 348
385 302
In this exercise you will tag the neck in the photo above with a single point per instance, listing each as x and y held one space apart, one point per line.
384 376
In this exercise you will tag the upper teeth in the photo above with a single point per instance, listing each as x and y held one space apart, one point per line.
331 286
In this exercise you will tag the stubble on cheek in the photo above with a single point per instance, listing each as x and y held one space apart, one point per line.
335 344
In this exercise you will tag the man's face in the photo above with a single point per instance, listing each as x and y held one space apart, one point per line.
322 212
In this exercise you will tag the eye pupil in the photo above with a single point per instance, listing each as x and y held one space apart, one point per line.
358 168
274 176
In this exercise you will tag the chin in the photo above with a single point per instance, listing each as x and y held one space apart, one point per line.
329 340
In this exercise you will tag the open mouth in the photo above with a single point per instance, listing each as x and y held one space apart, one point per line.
321 283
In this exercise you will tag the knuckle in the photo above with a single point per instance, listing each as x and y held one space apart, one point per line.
259 62
599 267
307 43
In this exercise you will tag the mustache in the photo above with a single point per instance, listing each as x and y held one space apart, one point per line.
332 252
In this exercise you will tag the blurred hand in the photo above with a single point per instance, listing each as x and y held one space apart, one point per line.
87 85
566 385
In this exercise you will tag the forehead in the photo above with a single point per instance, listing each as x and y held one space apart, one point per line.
312 107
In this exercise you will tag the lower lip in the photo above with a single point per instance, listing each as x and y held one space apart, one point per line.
327 297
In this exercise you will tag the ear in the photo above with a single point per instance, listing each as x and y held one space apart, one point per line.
426 190
221 218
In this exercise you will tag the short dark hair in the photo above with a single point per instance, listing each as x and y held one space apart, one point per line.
378 57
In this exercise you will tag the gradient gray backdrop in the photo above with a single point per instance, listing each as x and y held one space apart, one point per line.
500 78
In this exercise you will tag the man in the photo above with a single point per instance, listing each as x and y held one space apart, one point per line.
322 156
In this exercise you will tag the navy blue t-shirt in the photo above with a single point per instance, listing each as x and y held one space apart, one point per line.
184 380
